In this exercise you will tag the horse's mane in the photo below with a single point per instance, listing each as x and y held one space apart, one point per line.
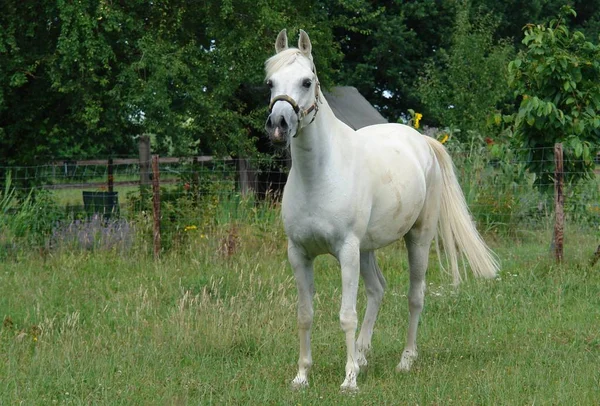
283 58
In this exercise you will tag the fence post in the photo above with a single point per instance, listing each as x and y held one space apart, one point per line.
156 205
111 178
559 201
144 150
247 176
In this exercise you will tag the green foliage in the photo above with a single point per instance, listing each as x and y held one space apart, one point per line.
557 80
582 203
497 187
467 83
27 221
384 58
512 15
204 199
83 79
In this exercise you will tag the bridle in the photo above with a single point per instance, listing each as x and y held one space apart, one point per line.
301 113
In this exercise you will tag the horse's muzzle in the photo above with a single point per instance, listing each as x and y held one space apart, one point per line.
277 128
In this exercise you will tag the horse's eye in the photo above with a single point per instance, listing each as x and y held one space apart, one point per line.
306 83
270 84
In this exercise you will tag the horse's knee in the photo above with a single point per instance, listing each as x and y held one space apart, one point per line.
416 299
415 304
375 293
305 318
348 320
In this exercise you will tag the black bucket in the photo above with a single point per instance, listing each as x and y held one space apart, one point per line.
104 203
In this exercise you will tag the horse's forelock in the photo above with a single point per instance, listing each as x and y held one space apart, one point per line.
284 58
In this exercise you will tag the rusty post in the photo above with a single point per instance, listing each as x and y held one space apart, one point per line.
156 205
559 202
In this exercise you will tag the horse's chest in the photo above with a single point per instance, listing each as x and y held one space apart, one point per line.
313 228
318 228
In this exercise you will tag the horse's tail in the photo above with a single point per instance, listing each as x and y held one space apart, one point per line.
456 227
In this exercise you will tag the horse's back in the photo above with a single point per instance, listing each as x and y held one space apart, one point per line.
397 141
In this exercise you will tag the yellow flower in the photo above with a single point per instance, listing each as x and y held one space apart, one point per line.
190 228
418 117
444 138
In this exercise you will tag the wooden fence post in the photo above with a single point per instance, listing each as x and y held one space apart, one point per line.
559 202
144 150
247 176
156 205
111 177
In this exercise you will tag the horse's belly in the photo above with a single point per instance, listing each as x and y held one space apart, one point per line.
393 214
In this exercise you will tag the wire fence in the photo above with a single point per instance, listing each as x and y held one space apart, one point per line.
202 192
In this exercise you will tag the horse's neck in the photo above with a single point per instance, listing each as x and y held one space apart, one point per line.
314 151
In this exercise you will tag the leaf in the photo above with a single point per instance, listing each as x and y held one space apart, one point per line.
577 147
18 79
531 120
587 156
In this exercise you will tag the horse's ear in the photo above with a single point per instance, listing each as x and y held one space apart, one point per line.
304 44
281 43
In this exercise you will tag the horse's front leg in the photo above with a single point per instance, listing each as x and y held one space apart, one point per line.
349 258
303 271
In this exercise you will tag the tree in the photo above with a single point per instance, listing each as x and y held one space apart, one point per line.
83 78
384 56
467 84
557 80
512 15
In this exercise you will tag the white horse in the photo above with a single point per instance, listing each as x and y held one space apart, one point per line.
351 192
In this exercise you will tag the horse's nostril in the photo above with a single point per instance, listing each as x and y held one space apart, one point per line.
283 124
269 123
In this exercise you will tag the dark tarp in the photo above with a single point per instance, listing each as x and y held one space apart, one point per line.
352 108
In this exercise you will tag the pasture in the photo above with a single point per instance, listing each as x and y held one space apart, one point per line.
204 326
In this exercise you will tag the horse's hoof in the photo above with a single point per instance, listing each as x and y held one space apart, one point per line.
348 389
299 384
407 360
349 385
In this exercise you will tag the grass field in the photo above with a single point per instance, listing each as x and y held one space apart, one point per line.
201 327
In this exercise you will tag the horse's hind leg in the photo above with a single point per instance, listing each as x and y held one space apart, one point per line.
374 286
417 257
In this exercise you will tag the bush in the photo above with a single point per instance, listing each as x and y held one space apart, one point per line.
27 221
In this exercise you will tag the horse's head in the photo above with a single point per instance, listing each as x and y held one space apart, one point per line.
294 87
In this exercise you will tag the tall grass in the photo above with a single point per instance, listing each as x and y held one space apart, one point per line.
207 326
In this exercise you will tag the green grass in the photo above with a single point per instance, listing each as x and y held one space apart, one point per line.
202 328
